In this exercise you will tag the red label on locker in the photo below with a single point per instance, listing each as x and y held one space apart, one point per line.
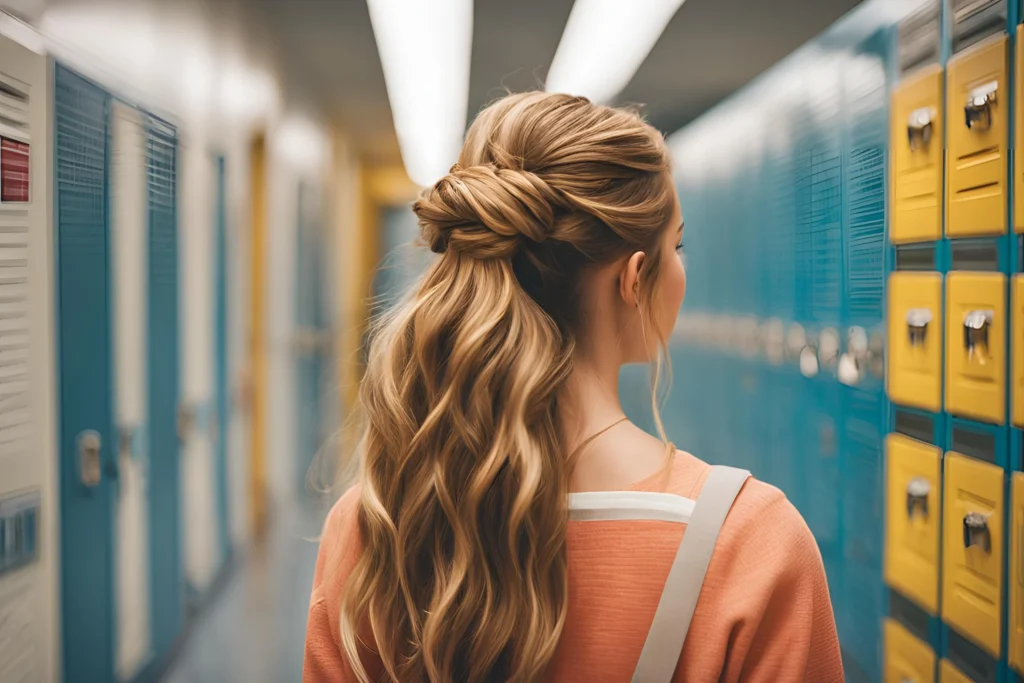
13 171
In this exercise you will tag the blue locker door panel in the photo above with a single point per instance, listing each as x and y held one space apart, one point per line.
84 350
220 386
821 469
165 489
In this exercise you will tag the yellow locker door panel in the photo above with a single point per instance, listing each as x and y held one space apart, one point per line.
972 551
913 479
977 105
906 657
914 370
975 345
1017 343
916 134
1016 611
950 674
1018 172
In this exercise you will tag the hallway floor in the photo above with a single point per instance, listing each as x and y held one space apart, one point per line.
254 630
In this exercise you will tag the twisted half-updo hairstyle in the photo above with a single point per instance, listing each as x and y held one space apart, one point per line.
464 474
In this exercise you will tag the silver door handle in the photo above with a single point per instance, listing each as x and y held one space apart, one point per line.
89 469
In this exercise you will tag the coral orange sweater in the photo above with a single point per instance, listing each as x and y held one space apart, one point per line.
764 612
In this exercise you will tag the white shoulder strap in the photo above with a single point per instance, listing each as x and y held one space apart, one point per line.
671 623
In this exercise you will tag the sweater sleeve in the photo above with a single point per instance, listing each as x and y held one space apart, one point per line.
767 604
323 661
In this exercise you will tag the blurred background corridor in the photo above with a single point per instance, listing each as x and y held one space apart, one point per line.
203 203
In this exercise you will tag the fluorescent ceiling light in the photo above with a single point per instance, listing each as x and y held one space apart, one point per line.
604 43
425 50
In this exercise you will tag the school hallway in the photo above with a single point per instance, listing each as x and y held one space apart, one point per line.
253 631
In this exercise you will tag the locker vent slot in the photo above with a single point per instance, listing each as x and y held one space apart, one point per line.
975 20
915 425
980 445
971 659
975 256
919 38
14 100
912 617
916 257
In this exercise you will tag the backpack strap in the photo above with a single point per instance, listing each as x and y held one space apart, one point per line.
664 644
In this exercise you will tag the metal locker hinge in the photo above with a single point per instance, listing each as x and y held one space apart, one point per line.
978 109
919 127
917 325
976 325
89 444
918 489
976 531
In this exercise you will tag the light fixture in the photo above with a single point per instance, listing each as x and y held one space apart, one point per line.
425 50
604 43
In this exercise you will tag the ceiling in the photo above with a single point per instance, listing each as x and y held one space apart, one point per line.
709 49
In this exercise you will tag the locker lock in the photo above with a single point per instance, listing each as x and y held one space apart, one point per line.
978 109
919 127
186 420
808 361
976 326
917 325
796 340
918 489
976 531
853 364
89 444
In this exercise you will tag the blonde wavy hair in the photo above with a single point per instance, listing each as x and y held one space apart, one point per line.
464 469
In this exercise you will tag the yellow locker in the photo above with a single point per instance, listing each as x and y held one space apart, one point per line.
906 657
916 134
972 550
914 370
977 102
1017 349
913 472
1016 611
950 674
975 345
1018 173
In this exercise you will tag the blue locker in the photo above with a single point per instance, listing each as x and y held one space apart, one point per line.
167 579
87 444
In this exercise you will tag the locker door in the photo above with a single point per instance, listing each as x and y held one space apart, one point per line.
917 140
1016 607
914 370
977 106
975 345
129 221
1017 348
906 657
221 418
912 519
86 406
972 550
165 527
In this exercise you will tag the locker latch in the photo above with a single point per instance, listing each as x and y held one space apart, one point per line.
919 127
978 109
853 363
89 444
976 326
918 489
917 325
976 531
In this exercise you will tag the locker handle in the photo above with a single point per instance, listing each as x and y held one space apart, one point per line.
919 127
918 489
978 109
186 420
917 325
976 325
89 444
976 531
